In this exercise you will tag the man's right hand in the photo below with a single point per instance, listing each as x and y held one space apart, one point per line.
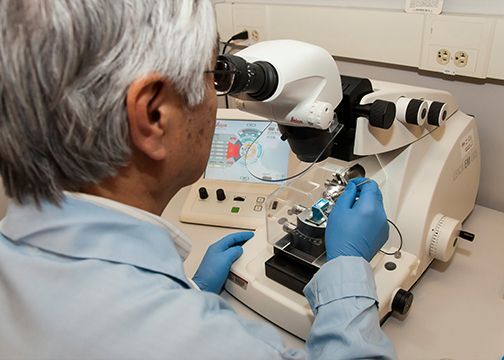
357 227
214 268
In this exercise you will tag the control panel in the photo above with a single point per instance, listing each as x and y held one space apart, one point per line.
226 204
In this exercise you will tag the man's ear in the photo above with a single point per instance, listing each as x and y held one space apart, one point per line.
148 103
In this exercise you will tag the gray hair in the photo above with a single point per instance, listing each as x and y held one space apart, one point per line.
65 68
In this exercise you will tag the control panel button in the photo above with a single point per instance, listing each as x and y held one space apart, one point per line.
260 200
235 210
239 198
221 196
258 208
203 193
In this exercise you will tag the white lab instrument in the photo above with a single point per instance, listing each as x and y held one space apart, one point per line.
428 174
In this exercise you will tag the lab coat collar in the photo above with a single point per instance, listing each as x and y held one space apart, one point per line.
85 230
179 238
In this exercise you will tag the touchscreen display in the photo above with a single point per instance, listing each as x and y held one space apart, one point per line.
267 157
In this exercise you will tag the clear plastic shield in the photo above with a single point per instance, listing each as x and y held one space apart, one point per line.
296 213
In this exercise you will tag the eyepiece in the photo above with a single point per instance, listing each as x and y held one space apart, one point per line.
235 75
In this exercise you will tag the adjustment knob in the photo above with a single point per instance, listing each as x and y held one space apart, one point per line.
438 114
402 301
443 237
382 114
203 193
221 196
412 111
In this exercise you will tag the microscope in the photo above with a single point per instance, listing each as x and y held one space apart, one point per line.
414 142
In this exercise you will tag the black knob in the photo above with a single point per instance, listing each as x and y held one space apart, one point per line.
221 196
382 114
415 114
356 171
402 301
437 113
466 235
203 193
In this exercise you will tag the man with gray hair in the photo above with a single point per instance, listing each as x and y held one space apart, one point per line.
107 109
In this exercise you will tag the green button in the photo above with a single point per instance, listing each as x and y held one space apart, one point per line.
235 209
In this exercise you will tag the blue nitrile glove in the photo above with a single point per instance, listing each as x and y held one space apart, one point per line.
214 268
357 227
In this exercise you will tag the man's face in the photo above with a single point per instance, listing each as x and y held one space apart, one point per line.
195 136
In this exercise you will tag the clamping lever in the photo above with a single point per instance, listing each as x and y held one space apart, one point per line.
466 235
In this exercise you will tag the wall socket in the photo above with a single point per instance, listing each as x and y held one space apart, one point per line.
461 58
457 45
443 56
254 36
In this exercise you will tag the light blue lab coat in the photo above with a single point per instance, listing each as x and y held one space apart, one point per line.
85 281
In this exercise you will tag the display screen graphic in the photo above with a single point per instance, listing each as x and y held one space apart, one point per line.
267 158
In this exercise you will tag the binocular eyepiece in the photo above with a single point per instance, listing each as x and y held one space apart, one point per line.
233 75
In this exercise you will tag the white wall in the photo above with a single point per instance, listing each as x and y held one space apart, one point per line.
491 7
377 35
483 100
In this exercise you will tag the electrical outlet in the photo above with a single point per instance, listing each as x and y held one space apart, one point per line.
443 56
461 58
254 36
457 45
